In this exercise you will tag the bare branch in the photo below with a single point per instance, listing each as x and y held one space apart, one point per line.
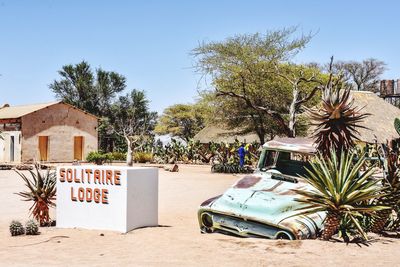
308 96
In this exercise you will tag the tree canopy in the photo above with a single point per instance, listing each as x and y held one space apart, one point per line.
254 81
91 91
183 120
132 120
99 92
362 75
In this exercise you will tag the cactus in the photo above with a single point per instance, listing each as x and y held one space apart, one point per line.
16 228
31 228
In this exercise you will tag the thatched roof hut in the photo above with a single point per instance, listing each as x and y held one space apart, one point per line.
379 123
216 134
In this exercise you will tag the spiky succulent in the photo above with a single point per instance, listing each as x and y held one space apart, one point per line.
16 228
41 190
391 184
31 228
340 190
337 121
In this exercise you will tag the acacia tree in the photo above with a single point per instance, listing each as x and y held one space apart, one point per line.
362 75
183 120
133 121
245 67
232 114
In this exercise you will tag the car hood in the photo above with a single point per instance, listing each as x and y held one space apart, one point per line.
261 198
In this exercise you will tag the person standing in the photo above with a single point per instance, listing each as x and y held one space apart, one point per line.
242 154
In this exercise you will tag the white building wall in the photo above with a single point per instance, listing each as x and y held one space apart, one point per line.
6 148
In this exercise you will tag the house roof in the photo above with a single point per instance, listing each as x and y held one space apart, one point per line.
15 112
216 134
380 124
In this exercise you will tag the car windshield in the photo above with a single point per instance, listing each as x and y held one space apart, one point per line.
289 163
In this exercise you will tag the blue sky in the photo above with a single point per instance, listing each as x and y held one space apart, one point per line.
149 41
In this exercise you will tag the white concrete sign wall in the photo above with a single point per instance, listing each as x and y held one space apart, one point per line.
107 197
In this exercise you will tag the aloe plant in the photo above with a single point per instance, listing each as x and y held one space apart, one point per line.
391 182
340 190
337 120
41 189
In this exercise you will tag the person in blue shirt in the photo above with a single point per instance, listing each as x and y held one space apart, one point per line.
242 154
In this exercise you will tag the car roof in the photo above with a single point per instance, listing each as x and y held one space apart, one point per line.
297 144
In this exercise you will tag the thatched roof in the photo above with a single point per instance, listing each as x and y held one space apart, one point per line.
217 134
380 123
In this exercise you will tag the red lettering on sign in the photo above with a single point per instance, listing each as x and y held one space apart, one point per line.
62 175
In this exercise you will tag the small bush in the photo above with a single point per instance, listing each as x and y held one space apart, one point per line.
230 168
6 166
142 157
118 156
24 167
98 157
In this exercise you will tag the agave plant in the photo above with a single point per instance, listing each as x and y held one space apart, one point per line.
391 182
41 190
337 120
340 190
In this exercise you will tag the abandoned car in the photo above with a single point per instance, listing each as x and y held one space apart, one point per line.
263 204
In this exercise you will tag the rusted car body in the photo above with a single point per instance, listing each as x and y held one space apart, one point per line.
263 204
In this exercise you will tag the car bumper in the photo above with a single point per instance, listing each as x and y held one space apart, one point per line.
300 228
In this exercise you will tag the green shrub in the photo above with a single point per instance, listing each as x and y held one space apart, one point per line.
230 168
142 157
98 157
118 155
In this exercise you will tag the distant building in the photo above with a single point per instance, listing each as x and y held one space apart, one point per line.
53 132
390 91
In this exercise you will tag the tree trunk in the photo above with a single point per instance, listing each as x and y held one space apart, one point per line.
261 135
331 225
292 114
262 139
129 154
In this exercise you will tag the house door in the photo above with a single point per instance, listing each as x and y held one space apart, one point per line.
12 146
43 148
78 147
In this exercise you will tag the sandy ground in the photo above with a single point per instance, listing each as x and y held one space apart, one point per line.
177 242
